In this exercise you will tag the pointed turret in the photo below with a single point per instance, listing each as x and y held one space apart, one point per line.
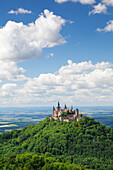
65 107
53 110
58 107
58 104
77 112
71 107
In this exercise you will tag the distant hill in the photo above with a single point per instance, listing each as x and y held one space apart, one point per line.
86 143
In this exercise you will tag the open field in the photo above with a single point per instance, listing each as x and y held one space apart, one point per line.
18 118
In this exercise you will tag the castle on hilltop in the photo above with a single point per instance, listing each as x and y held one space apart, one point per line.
65 114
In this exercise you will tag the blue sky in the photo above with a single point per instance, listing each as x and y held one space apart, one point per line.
66 53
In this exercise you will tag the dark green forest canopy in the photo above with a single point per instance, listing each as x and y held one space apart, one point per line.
28 161
86 143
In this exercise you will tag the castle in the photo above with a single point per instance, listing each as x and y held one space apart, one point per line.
65 114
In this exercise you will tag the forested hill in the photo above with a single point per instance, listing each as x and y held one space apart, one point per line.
86 143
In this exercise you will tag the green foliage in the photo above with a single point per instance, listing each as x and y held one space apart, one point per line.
87 143
35 162
64 114
81 115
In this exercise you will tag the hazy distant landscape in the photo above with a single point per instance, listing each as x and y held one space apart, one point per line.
18 118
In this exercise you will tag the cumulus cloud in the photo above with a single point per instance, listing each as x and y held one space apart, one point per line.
107 28
81 1
7 89
20 42
20 11
98 9
83 82
108 2
10 71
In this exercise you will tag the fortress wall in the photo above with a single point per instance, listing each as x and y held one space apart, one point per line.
66 120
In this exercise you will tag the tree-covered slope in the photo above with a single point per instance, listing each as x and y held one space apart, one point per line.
86 142
28 161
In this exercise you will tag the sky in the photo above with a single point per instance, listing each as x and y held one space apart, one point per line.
56 50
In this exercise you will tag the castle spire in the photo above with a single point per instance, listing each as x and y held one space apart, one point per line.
58 107
71 107
53 110
58 104
65 107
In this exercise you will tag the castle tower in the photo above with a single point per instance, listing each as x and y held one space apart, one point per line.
77 112
71 107
53 110
65 107
58 107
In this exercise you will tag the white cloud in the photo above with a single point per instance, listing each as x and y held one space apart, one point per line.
98 9
81 1
10 71
70 62
20 11
50 55
108 2
7 89
82 83
20 42
107 28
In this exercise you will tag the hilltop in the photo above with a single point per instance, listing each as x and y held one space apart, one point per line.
86 143
67 115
